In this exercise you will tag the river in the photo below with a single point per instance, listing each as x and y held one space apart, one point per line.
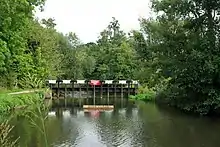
130 124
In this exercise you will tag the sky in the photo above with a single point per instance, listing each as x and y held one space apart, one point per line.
87 18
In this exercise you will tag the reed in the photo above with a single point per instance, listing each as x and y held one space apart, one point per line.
5 138
37 118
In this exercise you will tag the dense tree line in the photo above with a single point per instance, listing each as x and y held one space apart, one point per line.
176 53
32 50
184 45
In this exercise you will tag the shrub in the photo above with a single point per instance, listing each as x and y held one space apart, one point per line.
144 94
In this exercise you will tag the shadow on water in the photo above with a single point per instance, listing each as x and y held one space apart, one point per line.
172 128
130 124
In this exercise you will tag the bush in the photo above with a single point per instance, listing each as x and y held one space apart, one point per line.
144 94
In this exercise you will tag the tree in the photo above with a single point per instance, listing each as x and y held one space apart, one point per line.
13 30
49 23
184 42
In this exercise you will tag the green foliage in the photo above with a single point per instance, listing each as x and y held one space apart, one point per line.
25 46
32 51
144 94
9 102
181 43
112 57
31 81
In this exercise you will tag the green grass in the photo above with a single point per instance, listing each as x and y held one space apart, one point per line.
10 102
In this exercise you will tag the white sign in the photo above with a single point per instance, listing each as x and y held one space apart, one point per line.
52 81
80 81
66 81
108 81
123 82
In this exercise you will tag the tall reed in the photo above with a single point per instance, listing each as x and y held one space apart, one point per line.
5 138
37 118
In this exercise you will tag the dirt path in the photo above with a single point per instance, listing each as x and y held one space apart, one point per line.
23 92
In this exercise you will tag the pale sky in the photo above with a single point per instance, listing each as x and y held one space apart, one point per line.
87 18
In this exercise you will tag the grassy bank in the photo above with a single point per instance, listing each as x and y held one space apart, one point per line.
9 102
144 94
13 100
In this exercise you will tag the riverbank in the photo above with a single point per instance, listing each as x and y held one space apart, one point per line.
11 100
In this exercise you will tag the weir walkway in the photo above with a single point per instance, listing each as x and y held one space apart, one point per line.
92 88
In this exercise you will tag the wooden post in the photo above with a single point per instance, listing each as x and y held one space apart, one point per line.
58 90
129 88
108 100
108 90
121 90
65 102
101 89
87 89
51 88
94 94
115 90
121 102
65 92
80 102
73 89
136 87
80 90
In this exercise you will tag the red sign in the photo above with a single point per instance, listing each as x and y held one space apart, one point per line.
95 82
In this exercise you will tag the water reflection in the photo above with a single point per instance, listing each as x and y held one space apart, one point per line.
128 125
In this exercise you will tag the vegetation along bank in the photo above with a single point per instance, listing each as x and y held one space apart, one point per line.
13 102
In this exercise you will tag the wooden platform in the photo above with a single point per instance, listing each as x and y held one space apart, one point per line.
98 106
99 110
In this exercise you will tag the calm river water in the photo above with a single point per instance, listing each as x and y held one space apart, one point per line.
128 125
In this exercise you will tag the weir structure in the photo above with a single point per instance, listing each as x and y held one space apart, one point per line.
92 88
